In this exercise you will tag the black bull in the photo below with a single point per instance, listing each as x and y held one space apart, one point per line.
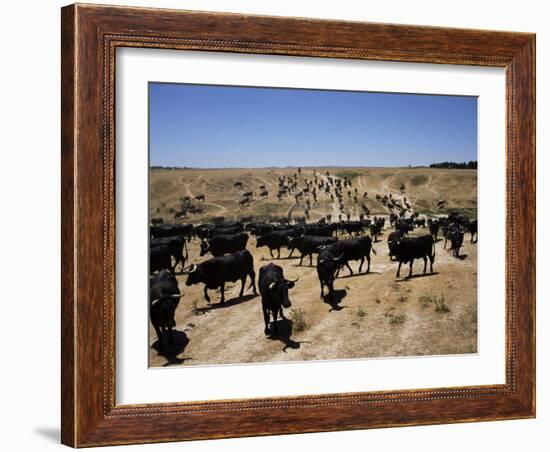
177 245
352 250
308 245
274 291
159 259
409 249
276 239
170 230
327 266
215 272
224 243
164 297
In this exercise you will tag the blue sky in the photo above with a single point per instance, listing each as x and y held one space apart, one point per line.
206 126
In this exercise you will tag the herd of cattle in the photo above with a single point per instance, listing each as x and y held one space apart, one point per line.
345 198
335 244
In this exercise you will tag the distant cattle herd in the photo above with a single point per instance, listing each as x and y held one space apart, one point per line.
334 243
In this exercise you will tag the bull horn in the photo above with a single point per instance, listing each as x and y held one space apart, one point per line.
156 300
189 269
272 285
293 280
322 247
338 258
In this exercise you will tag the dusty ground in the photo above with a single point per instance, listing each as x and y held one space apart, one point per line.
376 314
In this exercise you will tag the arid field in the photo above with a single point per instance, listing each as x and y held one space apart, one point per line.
376 314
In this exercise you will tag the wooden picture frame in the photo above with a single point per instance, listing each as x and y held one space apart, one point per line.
90 36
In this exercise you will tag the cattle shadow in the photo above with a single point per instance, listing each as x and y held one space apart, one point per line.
462 256
172 348
228 303
415 276
284 333
334 301
358 274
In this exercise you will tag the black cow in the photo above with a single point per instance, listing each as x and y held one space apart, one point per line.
457 239
434 228
375 231
205 231
308 245
352 226
458 219
159 259
365 222
223 229
222 244
405 224
176 245
171 230
164 297
448 231
202 231
274 240
324 230
274 291
261 228
327 267
215 272
420 222
352 250
411 248
393 238
220 223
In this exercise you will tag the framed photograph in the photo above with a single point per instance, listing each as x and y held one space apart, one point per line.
281 225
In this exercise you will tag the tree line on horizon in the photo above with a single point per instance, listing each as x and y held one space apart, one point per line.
168 167
472 164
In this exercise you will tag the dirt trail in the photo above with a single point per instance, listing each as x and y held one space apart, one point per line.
264 181
188 187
